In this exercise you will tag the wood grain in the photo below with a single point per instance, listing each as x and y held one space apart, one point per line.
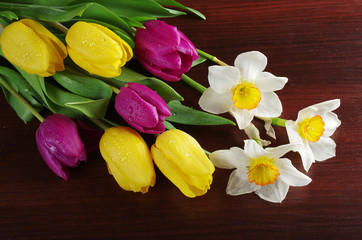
316 44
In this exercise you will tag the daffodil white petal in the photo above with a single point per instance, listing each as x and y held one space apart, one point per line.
229 159
292 132
327 106
323 149
243 117
277 152
214 102
307 112
331 123
223 78
254 150
290 175
250 64
269 105
267 82
275 192
239 183
307 156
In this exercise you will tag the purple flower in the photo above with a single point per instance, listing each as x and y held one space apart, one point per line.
59 144
163 50
142 108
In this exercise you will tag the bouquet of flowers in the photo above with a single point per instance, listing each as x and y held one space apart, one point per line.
71 61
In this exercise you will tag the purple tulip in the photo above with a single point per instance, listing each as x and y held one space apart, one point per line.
163 50
59 144
142 108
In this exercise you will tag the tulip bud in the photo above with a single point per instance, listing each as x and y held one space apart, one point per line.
97 49
181 159
142 108
59 144
128 159
164 50
30 46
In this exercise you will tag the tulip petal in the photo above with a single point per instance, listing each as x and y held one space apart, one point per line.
151 97
134 110
52 162
170 170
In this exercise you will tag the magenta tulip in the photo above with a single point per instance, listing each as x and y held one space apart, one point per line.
164 50
59 144
142 108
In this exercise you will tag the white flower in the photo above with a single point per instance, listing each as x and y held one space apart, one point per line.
259 170
312 130
244 90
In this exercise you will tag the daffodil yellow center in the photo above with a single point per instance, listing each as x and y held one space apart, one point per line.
262 171
312 128
246 97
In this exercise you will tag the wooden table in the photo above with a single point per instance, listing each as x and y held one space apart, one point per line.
316 44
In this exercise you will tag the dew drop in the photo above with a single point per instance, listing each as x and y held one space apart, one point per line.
130 109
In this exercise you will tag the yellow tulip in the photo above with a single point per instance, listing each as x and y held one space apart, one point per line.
97 49
30 46
128 159
181 159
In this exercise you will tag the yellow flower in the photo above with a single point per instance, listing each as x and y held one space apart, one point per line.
182 160
97 49
30 46
128 159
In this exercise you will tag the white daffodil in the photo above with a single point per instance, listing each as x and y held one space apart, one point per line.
259 170
244 90
312 130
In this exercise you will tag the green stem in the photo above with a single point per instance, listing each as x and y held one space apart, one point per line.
114 89
211 58
21 99
58 26
197 86
99 123
279 121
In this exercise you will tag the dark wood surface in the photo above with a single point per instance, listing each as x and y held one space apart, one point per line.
316 44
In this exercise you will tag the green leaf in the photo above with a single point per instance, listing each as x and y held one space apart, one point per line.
9 15
198 61
100 13
42 2
84 86
176 4
134 8
163 89
20 85
186 115
45 13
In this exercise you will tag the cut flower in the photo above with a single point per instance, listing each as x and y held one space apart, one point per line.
259 170
312 130
244 90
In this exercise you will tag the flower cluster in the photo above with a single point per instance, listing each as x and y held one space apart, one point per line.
75 66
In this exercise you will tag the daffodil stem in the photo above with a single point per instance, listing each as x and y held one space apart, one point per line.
211 58
21 99
99 123
197 86
278 121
